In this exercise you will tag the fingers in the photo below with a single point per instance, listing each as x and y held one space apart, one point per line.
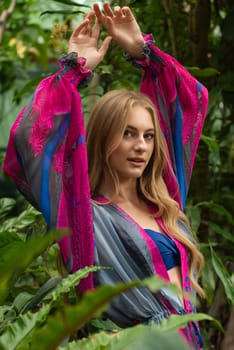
90 16
105 45
127 12
85 27
97 11
96 30
108 10
82 28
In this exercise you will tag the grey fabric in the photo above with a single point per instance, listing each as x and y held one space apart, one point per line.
119 244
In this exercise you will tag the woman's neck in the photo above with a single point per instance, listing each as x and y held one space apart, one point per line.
127 192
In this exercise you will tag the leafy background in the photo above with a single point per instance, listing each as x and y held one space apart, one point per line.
33 35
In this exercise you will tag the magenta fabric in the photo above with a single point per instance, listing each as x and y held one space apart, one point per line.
51 128
181 102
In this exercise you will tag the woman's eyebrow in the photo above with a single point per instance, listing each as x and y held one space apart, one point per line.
134 128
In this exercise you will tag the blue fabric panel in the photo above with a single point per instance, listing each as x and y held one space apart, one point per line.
167 248
177 137
46 163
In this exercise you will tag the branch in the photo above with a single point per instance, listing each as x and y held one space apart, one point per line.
4 17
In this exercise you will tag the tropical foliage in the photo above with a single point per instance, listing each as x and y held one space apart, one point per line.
33 35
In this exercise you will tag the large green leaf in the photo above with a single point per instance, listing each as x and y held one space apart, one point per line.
20 329
175 322
58 287
70 318
223 275
67 320
19 255
135 338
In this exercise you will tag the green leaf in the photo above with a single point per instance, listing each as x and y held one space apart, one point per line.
134 338
211 143
45 289
69 319
3 310
221 231
19 255
218 209
21 300
203 73
61 12
20 329
175 322
73 280
72 3
7 239
20 222
223 275
58 287
6 204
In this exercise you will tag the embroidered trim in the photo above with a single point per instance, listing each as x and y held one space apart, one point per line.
148 54
72 61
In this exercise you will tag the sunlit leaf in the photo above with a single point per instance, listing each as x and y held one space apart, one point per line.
211 143
6 204
136 338
73 3
67 320
175 322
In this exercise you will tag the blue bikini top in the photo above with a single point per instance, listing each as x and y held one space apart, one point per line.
167 247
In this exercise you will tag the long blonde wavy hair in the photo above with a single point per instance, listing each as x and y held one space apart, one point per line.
105 130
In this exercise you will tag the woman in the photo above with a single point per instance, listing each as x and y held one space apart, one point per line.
124 210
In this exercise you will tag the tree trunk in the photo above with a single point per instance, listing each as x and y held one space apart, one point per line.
199 25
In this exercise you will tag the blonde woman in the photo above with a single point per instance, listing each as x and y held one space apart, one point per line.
122 194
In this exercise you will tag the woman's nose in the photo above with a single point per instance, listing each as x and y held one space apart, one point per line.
140 143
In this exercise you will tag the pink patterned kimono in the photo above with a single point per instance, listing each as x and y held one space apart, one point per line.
46 158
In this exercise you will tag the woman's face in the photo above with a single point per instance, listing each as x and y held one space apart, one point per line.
132 155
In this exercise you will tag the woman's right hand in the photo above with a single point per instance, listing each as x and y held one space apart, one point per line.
123 27
84 41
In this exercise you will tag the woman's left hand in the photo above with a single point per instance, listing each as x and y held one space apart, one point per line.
121 24
84 41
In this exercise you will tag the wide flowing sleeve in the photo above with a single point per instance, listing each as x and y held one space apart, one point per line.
181 102
46 158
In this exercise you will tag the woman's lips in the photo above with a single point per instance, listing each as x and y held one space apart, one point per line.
138 162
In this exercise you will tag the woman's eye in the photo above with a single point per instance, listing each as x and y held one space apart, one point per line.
149 136
127 133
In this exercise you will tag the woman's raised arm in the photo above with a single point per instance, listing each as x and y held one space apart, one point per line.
180 100
46 153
